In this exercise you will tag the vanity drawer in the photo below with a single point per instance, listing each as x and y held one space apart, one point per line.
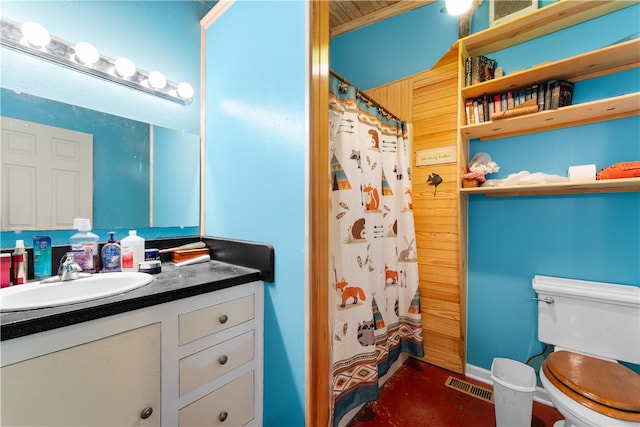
230 405
208 364
206 321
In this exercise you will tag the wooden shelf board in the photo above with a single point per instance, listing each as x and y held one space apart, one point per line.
572 115
604 186
548 19
610 59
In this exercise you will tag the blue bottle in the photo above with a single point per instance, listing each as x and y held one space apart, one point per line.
41 257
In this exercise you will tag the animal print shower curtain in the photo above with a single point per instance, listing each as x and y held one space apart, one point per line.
376 305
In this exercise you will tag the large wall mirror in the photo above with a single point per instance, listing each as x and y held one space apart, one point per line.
146 150
141 173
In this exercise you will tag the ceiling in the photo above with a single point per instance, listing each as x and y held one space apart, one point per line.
345 16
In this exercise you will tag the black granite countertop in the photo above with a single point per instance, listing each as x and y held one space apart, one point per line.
171 284
235 262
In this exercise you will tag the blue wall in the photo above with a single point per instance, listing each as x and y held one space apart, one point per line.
591 236
412 42
256 141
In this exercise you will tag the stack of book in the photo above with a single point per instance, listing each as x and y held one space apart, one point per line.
547 96
479 69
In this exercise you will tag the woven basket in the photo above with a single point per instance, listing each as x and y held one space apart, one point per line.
470 183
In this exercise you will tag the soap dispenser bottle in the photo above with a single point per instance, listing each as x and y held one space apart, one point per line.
111 254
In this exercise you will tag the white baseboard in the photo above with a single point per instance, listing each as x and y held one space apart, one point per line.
484 375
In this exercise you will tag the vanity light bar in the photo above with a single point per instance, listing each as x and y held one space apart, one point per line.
121 70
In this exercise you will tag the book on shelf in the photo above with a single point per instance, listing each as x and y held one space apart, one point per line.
561 94
548 95
542 88
468 106
479 69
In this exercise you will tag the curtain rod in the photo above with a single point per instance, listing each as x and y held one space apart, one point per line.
368 99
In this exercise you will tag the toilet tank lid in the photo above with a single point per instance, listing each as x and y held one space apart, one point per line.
601 291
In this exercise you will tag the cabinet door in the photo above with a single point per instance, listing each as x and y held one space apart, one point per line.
108 382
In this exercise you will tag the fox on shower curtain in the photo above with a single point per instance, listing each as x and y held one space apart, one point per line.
376 305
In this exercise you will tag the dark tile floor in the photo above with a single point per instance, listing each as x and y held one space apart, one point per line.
416 395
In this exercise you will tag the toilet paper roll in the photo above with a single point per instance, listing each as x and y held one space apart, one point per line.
582 173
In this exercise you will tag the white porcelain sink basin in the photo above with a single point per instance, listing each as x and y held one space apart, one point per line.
51 294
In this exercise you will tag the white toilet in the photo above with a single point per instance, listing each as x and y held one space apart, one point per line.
592 326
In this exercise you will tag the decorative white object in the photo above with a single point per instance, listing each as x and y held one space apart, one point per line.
582 173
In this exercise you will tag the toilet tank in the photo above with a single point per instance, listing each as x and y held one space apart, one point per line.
601 319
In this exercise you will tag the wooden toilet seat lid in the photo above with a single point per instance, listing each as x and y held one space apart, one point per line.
607 383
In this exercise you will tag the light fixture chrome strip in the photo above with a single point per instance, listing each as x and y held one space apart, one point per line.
64 53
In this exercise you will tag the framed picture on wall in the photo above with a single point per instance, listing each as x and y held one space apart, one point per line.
504 10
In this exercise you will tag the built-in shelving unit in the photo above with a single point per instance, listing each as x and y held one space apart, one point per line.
604 186
572 115
607 60
546 20
610 59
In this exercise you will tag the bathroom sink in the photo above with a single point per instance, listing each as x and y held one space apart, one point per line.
55 293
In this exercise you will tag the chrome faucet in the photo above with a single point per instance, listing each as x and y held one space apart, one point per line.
69 268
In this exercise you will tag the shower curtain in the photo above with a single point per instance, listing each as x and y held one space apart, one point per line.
376 305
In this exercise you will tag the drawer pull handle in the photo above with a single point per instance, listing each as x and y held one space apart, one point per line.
223 318
223 416
223 359
146 413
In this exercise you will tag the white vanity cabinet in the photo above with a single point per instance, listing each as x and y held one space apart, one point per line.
192 361
219 359
113 381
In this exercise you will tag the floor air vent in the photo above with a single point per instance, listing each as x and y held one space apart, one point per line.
470 389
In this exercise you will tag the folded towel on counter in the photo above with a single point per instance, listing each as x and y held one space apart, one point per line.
621 170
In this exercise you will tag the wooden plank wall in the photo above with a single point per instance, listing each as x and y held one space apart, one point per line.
396 97
429 100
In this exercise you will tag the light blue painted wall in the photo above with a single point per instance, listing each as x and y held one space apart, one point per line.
590 237
412 42
256 141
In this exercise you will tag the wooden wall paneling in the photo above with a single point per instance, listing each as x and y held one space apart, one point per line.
429 101
396 97
436 97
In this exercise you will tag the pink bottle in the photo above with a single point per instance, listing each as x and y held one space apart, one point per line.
5 270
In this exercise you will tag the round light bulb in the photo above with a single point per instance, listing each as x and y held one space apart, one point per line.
157 80
458 7
185 90
86 53
35 34
124 67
